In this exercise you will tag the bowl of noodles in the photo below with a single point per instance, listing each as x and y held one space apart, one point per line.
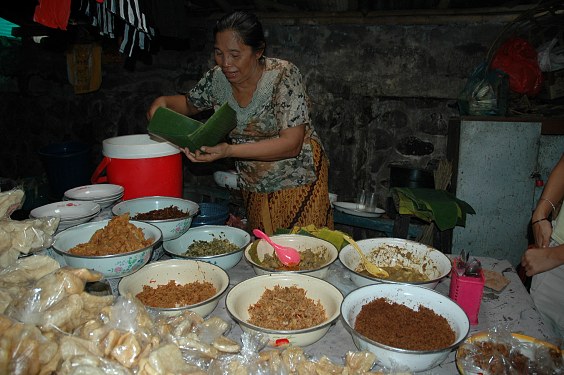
221 245
114 247
406 261
169 287
290 309
316 255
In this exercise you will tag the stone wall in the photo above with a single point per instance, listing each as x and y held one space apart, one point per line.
382 94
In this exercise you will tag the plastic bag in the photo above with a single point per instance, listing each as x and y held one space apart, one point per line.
550 56
485 93
518 59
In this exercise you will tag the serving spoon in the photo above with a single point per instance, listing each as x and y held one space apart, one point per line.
370 267
287 255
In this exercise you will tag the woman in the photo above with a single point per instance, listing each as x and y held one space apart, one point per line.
281 163
545 262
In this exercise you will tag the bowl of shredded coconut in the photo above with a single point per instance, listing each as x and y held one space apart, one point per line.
169 287
291 309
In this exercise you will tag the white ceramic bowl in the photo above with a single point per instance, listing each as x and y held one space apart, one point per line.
183 272
70 213
103 194
421 257
178 247
111 266
171 228
248 292
411 296
300 243
227 179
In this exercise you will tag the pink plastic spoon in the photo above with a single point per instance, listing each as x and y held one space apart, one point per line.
287 255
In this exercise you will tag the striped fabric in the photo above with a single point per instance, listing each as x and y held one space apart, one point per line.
137 31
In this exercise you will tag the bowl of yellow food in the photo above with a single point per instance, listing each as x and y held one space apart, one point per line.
172 286
316 255
291 309
221 245
116 247
405 261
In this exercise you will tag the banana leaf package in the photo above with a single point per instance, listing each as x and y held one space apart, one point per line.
184 131
432 205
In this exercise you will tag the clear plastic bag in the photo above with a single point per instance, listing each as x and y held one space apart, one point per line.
485 93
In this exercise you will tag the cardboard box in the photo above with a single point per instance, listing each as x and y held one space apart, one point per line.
554 84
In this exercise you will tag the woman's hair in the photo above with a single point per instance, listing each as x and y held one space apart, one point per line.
246 25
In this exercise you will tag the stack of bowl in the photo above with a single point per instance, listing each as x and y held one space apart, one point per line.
103 194
70 213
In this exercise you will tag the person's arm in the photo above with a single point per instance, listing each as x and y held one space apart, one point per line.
177 103
287 145
537 260
552 194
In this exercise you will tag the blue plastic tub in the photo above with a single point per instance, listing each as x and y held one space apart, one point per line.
211 214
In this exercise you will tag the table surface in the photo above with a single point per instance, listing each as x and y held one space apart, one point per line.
512 308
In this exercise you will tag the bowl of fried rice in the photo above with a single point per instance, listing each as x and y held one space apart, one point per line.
291 309
221 245
114 247
316 255
169 287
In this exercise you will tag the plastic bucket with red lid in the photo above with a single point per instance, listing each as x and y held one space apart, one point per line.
143 166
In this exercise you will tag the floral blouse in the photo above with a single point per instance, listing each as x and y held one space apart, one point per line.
279 102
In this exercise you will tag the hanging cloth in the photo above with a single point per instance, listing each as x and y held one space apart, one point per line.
53 13
137 31
84 67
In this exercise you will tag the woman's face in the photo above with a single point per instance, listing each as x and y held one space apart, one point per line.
237 60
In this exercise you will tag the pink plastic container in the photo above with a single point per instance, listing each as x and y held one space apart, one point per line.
467 292
143 166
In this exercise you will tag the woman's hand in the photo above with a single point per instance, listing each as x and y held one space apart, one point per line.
158 102
542 231
537 260
177 103
207 154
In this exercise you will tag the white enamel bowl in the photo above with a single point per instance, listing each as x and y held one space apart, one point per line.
300 243
182 272
178 247
70 213
171 228
396 251
111 266
103 194
411 296
248 292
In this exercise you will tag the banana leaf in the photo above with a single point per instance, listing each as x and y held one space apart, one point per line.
432 205
184 131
